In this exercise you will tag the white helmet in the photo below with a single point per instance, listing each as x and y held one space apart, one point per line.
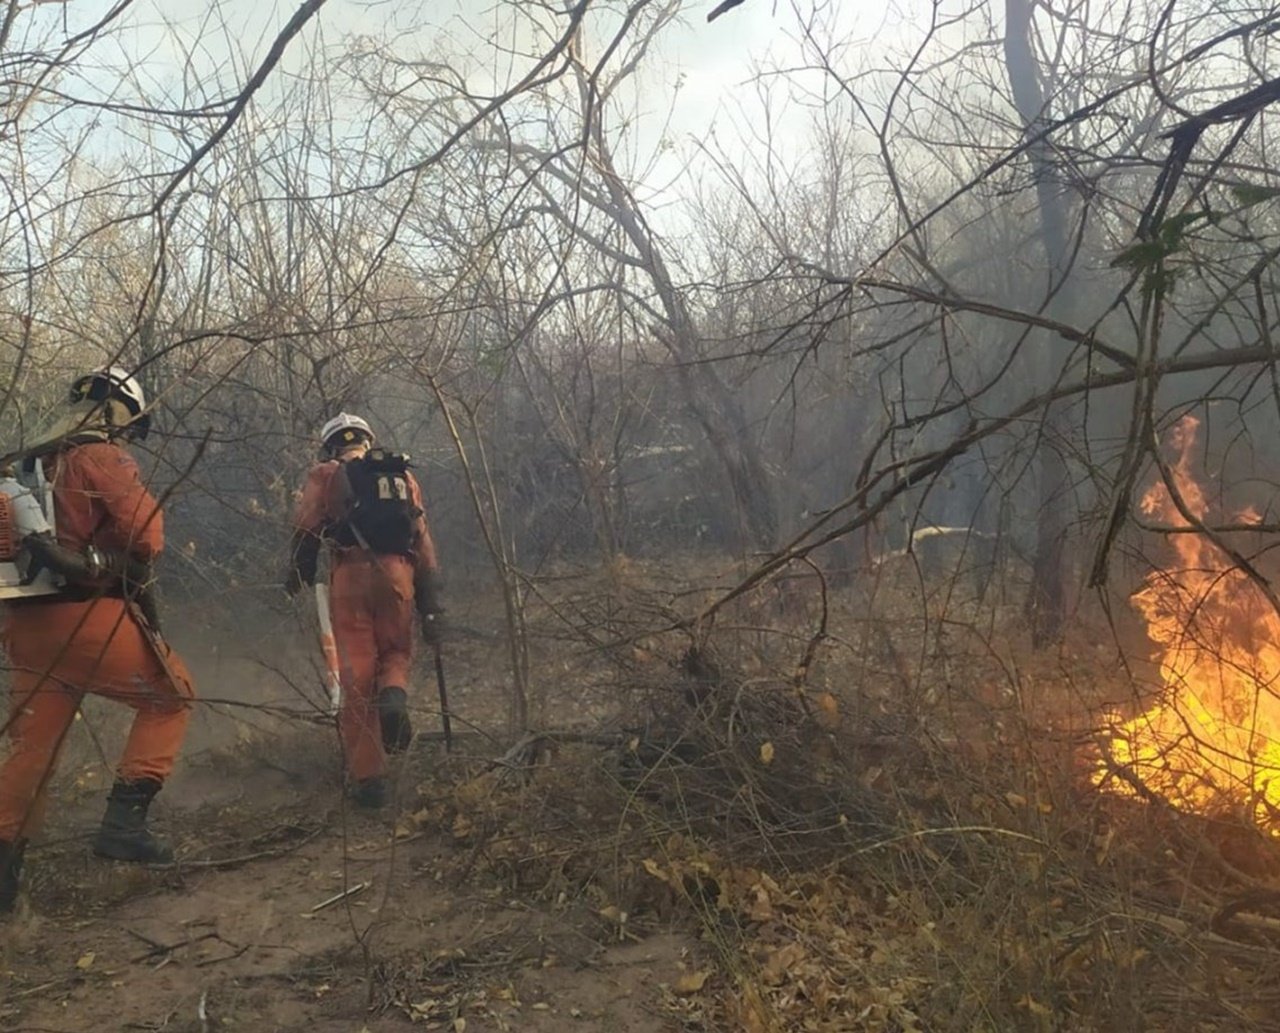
115 382
344 430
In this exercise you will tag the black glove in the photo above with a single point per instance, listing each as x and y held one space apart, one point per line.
433 628
426 597
304 557
148 601
292 582
426 592
44 551
140 585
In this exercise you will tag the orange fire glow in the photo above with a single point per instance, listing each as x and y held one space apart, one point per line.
1212 738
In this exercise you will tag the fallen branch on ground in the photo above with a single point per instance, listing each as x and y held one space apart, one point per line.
231 862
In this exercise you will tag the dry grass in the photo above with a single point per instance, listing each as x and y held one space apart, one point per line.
895 831
888 826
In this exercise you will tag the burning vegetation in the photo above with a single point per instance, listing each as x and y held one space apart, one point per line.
1211 739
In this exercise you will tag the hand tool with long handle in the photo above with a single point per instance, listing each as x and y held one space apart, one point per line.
329 647
158 646
444 701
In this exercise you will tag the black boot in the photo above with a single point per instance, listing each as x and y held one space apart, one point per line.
370 793
393 717
10 872
124 835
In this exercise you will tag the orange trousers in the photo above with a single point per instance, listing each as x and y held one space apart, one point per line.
371 605
59 651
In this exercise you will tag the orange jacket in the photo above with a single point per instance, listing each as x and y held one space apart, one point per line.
99 499
320 507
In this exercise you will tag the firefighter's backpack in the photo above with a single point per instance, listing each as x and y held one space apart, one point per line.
26 507
381 515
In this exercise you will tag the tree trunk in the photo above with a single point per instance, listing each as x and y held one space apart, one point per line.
1046 602
709 399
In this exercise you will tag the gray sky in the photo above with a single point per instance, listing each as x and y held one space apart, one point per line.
697 77
201 51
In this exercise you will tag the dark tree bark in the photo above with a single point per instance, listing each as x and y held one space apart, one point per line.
1046 602
710 401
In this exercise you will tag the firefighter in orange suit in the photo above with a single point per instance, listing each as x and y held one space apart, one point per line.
98 633
366 505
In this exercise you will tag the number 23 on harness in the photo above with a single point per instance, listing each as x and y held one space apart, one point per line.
380 509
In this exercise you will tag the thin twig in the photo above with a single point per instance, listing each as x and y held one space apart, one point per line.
338 898
231 862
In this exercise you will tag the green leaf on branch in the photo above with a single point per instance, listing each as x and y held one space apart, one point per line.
1174 228
1149 258
1249 194
1142 255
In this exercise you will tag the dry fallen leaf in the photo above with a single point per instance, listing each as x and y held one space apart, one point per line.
749 1010
412 823
653 868
766 753
692 982
759 906
1034 1006
86 961
780 962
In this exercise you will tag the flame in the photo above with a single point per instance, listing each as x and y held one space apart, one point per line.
1212 738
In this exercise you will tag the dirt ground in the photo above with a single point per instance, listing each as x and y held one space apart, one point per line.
244 948
245 933
893 827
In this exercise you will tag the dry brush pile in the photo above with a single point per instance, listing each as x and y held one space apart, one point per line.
879 824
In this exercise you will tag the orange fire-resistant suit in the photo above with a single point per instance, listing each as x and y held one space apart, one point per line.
371 602
61 648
